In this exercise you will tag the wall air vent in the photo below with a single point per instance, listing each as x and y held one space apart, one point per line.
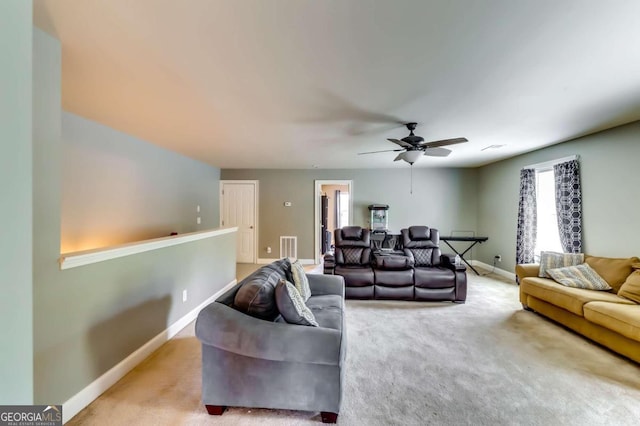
289 247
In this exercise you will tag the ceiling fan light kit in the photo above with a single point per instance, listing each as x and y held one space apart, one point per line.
409 156
413 147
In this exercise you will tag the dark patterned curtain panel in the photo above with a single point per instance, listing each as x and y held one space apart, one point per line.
527 220
569 205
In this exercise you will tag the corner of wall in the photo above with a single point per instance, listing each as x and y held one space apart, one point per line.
16 103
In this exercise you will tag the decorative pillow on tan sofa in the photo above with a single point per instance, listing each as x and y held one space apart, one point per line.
614 270
631 287
553 260
579 276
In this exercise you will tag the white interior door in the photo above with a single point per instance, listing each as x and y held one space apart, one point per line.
238 208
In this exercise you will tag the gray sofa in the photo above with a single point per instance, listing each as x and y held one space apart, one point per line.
268 363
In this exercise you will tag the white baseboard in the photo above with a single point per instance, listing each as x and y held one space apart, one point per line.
498 271
266 261
87 395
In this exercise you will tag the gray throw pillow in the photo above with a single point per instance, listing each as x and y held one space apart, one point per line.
292 306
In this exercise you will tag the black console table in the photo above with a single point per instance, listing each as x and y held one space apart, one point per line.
472 240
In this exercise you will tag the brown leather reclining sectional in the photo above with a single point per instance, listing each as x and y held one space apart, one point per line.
418 272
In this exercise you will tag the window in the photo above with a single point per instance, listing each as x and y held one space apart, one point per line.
343 209
538 227
547 237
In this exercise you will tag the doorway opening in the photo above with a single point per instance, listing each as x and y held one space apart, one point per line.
333 210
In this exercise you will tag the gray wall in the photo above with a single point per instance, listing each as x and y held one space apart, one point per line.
88 319
16 304
118 189
610 176
484 200
442 198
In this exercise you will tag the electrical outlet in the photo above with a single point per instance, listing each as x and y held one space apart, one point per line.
498 258
198 220
184 295
268 250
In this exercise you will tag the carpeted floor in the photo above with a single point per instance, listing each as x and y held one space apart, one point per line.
486 362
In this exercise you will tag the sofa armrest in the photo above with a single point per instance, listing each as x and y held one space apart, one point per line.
527 270
225 328
449 261
326 284
329 263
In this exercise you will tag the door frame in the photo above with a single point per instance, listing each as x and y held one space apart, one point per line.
256 193
316 210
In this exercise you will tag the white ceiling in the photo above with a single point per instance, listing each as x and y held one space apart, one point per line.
298 84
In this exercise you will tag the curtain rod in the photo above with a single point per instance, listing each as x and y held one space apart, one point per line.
549 164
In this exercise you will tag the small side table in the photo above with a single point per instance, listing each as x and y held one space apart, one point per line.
472 240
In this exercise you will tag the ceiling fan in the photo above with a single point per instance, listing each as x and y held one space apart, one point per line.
413 147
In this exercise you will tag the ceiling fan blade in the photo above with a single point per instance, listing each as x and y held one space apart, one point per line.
437 152
444 142
400 156
384 150
401 143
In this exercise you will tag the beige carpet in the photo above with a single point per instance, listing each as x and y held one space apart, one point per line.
486 362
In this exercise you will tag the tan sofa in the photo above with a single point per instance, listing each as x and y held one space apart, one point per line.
603 316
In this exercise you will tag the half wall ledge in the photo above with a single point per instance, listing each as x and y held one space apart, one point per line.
87 257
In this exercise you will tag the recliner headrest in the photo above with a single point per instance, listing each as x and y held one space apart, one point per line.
352 233
352 236
420 237
417 233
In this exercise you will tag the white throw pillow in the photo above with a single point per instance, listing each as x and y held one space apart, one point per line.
300 280
579 276
553 260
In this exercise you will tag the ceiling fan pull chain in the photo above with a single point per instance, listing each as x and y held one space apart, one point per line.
411 184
